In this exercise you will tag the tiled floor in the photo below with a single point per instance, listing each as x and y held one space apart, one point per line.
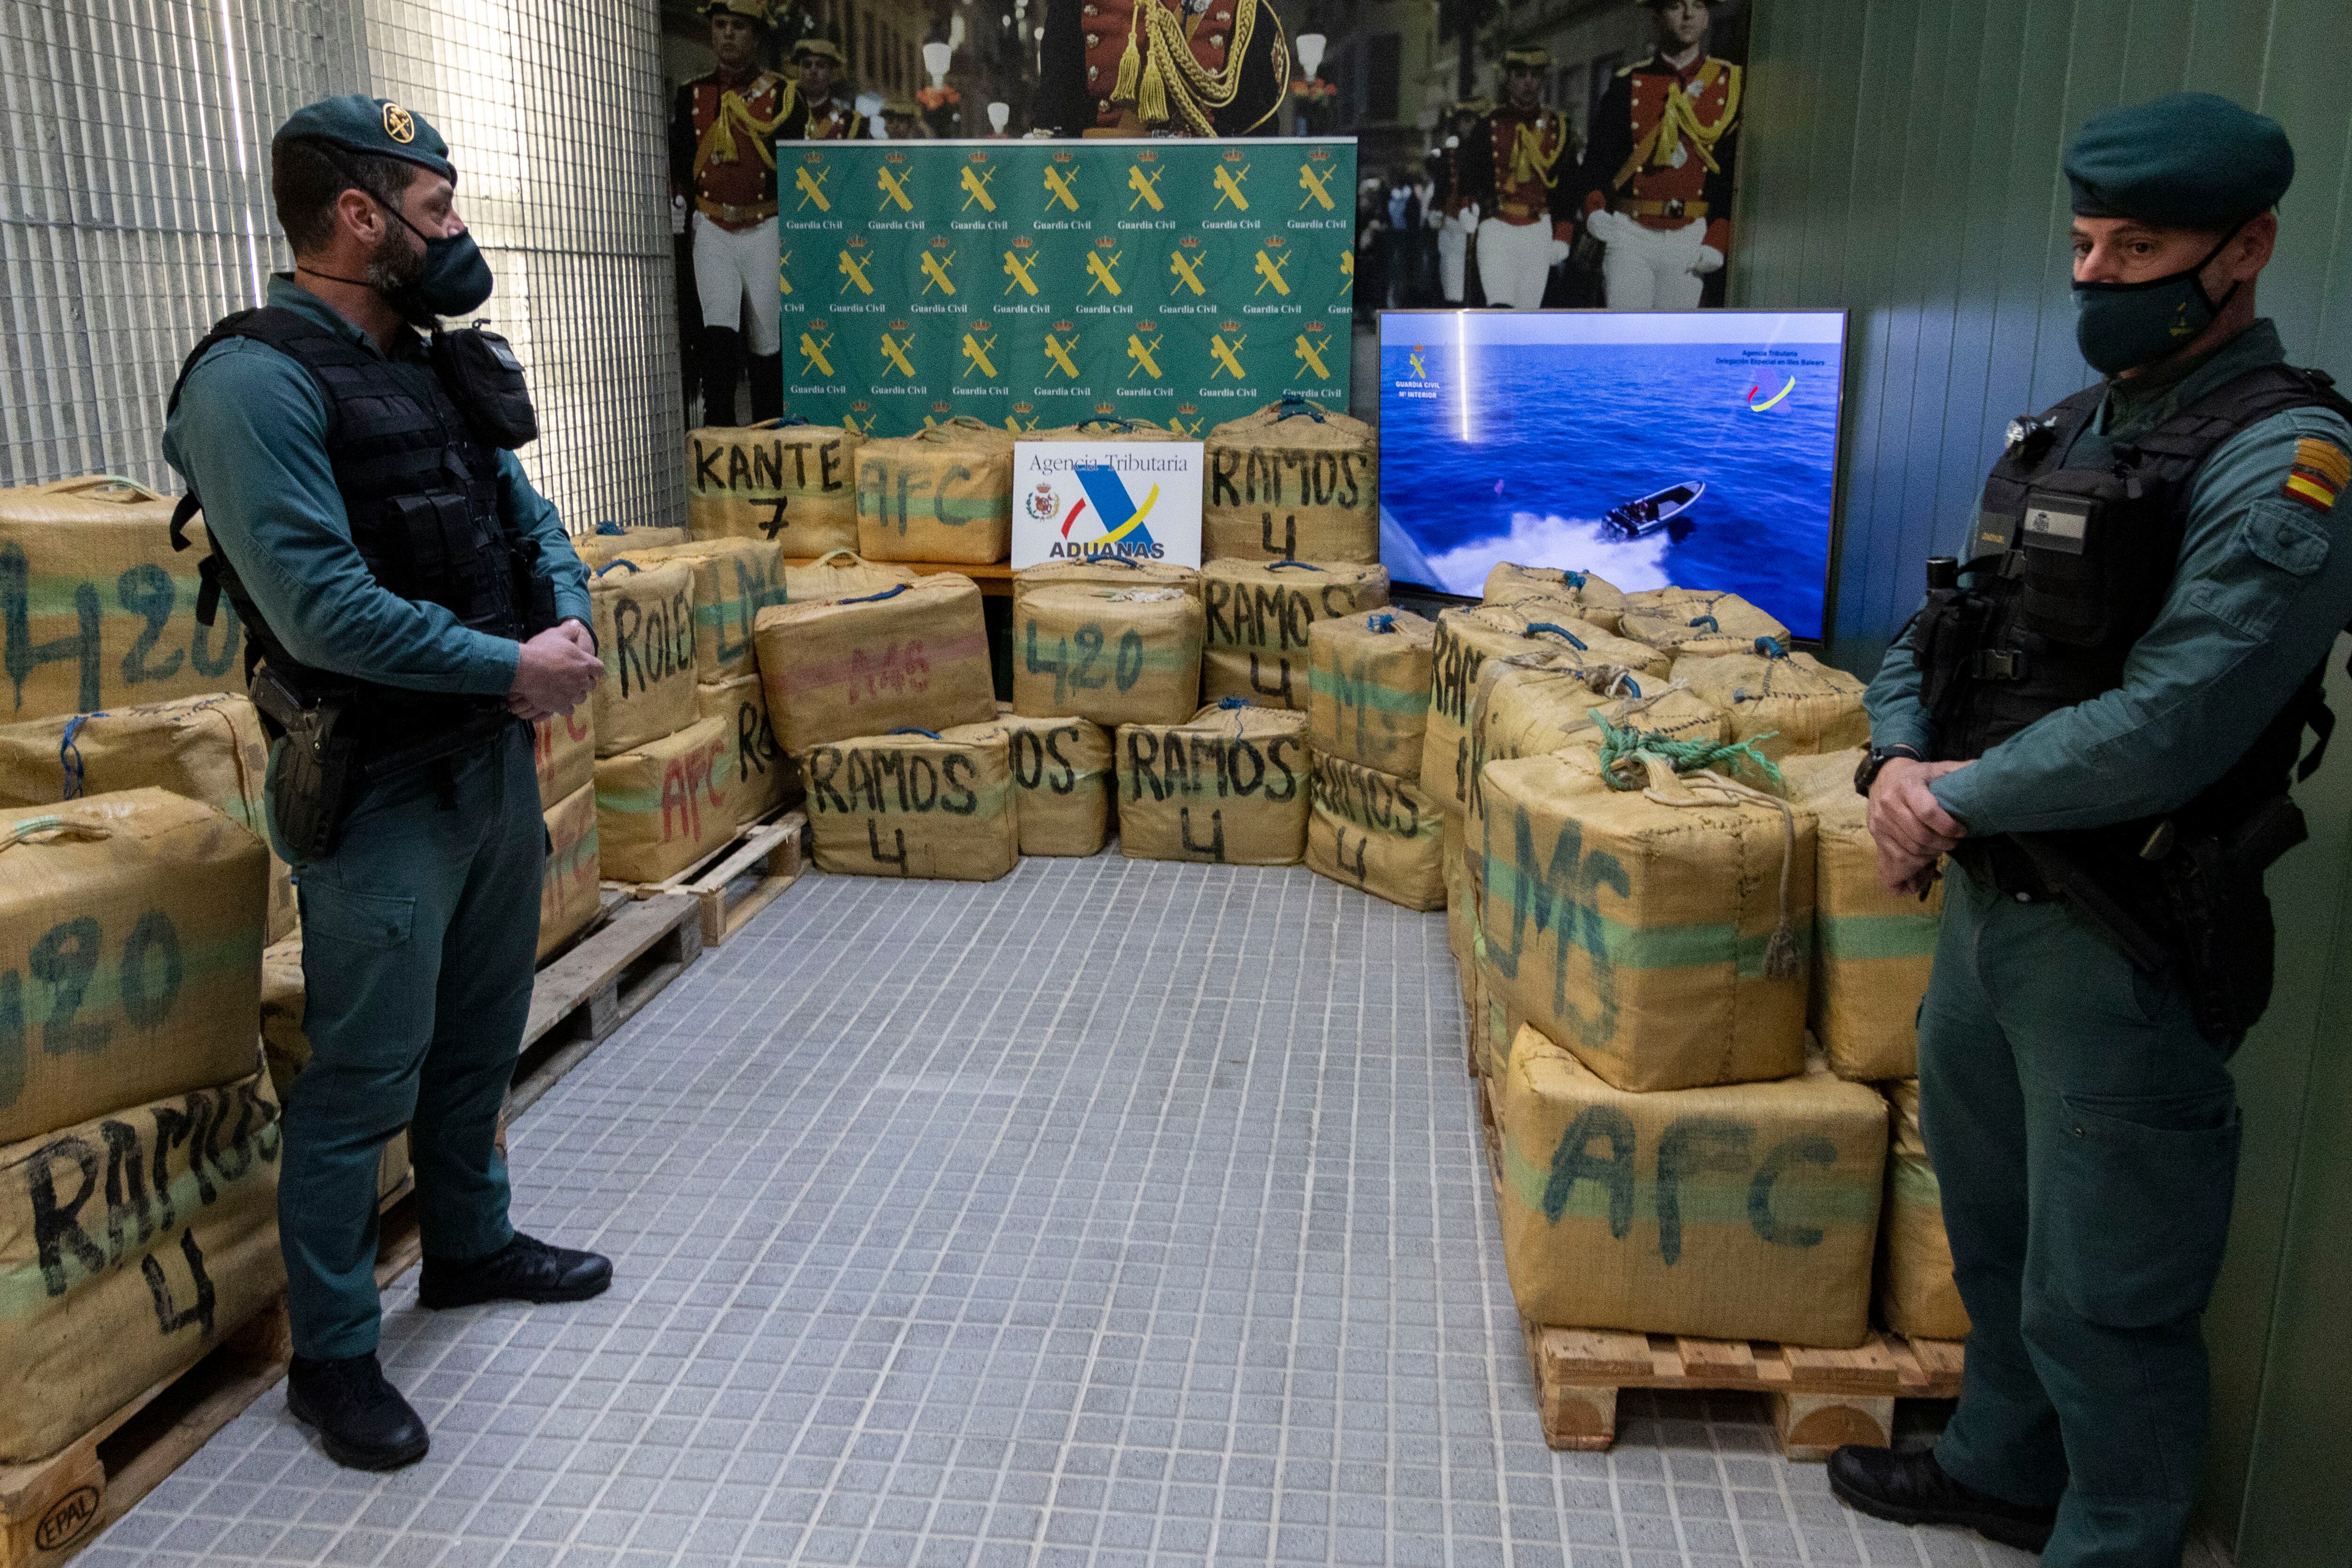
1108 1214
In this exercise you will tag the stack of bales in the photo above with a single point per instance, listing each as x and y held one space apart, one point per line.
869 693
667 790
139 1129
607 541
564 750
1373 826
1642 891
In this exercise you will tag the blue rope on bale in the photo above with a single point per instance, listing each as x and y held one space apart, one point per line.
892 591
1234 702
1381 621
1293 405
608 528
1306 565
1557 630
1623 742
617 562
1708 621
69 762
1574 579
1772 648
916 729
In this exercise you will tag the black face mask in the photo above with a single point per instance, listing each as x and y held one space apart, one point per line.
2123 325
454 280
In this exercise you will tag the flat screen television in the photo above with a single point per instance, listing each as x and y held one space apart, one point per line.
1696 448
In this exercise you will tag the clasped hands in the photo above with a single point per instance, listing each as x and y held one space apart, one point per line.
556 671
1909 826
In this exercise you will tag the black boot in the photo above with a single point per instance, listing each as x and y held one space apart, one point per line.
722 364
524 1270
362 1421
1912 1489
767 387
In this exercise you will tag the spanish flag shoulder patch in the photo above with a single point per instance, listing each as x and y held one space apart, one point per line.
2320 472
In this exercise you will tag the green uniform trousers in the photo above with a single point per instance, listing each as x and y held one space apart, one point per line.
418 939
2085 1136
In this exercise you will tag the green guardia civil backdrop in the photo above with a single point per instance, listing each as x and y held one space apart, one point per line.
1036 283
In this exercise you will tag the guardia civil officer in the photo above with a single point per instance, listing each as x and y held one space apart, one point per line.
2096 715
412 601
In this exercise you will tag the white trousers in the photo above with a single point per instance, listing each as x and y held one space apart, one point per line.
1514 262
731 265
1454 262
1650 269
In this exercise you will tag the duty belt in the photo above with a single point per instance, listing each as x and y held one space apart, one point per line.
720 212
2000 864
1643 207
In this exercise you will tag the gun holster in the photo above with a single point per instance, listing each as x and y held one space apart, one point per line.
2224 938
317 775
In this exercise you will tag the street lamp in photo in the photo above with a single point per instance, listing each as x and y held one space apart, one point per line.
1310 49
1000 115
939 98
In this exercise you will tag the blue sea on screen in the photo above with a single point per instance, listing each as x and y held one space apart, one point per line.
1559 435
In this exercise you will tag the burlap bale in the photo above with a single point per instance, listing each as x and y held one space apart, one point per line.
842 574
1103 571
563 747
643 620
1534 705
667 804
1594 647
1873 949
1368 689
766 778
1664 943
941 494
598 548
1687 620
1802 705
1496 1024
568 896
210 748
1061 773
1462 645
1114 654
130 938
912 654
733 581
1597 599
788 484
1229 787
133 1243
1259 615
1746 1212
1292 482
915 804
97 610
1916 1295
1376 833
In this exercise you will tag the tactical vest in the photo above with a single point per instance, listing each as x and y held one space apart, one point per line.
420 491
2068 569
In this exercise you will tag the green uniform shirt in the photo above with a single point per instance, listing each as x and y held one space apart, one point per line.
2262 589
250 436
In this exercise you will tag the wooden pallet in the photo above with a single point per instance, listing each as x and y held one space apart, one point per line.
770 851
52 1508
1821 1399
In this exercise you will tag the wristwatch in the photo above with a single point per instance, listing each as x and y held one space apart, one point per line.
1880 756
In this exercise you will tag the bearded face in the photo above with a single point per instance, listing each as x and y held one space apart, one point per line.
394 267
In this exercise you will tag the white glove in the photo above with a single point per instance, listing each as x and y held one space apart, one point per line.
1605 226
1709 259
1558 251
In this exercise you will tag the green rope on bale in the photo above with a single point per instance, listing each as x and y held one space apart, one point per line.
1623 742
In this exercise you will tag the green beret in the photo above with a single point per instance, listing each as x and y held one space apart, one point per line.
358 123
2186 160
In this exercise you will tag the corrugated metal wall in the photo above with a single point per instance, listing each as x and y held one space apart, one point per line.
134 210
1901 160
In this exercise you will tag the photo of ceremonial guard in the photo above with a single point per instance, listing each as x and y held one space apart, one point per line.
1658 171
724 127
1458 216
1519 186
832 114
1154 67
